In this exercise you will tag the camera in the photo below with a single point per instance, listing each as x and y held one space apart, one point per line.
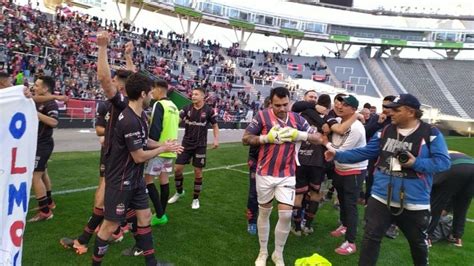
402 156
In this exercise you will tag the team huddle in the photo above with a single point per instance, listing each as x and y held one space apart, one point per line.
292 153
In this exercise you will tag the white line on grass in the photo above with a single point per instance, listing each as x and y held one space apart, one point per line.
237 170
69 191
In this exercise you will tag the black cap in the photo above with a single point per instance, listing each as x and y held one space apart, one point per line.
404 100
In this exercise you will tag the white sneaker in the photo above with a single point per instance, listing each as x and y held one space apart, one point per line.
175 197
195 204
278 259
261 259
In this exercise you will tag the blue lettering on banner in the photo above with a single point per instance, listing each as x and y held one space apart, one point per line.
19 196
16 258
17 133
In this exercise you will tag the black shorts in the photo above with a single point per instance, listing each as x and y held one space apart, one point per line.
43 152
197 154
309 178
102 163
116 202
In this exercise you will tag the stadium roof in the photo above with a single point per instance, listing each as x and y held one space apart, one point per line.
346 17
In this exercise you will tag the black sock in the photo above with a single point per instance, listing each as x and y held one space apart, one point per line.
155 199
165 194
96 218
144 240
100 248
310 211
43 204
179 180
297 217
50 198
132 220
197 187
117 231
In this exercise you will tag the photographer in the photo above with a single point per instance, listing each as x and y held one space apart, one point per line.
409 152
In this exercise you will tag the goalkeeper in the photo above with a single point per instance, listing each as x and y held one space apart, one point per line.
276 130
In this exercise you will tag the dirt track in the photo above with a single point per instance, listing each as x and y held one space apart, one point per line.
66 140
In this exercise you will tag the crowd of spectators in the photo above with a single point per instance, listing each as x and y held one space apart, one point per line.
34 43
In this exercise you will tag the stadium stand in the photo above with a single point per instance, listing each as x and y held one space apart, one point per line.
418 81
237 80
459 77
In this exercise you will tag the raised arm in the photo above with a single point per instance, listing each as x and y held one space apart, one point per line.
129 56
103 68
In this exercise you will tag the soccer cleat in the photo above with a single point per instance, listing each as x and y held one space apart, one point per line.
278 259
74 244
261 259
132 252
340 231
252 229
116 238
125 228
455 241
195 205
159 221
40 216
295 232
308 230
346 248
175 197
392 232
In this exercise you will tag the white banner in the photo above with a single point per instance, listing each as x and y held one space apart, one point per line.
18 136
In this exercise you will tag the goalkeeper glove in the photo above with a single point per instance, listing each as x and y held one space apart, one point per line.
293 134
274 136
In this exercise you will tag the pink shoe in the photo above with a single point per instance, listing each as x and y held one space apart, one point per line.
346 248
340 231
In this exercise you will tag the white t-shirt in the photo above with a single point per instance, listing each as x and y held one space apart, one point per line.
353 138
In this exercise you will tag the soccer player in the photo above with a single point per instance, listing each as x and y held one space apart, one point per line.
48 119
275 129
114 89
252 203
196 118
125 187
310 168
163 127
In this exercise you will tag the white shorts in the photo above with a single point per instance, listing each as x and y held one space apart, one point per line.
158 165
281 188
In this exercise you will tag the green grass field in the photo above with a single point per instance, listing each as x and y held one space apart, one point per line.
216 233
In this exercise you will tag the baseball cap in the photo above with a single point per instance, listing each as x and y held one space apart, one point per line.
349 100
404 100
